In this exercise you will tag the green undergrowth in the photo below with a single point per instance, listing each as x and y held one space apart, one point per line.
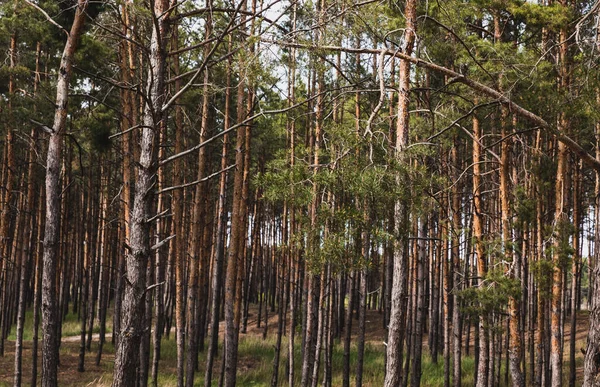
71 326
255 361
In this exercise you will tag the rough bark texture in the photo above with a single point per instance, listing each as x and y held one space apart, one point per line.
400 271
515 344
234 253
50 320
560 218
127 351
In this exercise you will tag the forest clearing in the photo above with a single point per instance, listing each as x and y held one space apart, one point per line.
403 193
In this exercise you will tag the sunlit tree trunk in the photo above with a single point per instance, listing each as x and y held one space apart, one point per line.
396 326
484 341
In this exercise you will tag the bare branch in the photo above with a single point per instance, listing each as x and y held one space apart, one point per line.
195 182
232 128
47 16
152 219
162 243
154 286
45 128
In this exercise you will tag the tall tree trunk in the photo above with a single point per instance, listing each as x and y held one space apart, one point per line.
235 251
50 339
104 264
575 273
291 250
29 247
177 246
7 198
591 364
484 341
313 280
221 213
124 373
560 219
400 271
455 252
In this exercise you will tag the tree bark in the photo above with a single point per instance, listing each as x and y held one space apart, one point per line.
235 251
221 213
560 220
50 339
483 359
455 252
127 351
178 245
420 305
591 364
400 271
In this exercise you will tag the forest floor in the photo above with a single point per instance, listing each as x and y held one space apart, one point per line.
255 357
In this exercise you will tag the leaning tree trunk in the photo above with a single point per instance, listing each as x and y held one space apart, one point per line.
50 339
133 308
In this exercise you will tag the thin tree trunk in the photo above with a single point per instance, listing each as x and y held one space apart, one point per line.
455 252
29 247
348 327
37 297
178 245
575 274
484 341
362 305
235 251
104 265
415 380
560 220
281 309
7 200
217 279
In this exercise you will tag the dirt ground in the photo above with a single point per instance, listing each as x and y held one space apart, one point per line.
99 375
